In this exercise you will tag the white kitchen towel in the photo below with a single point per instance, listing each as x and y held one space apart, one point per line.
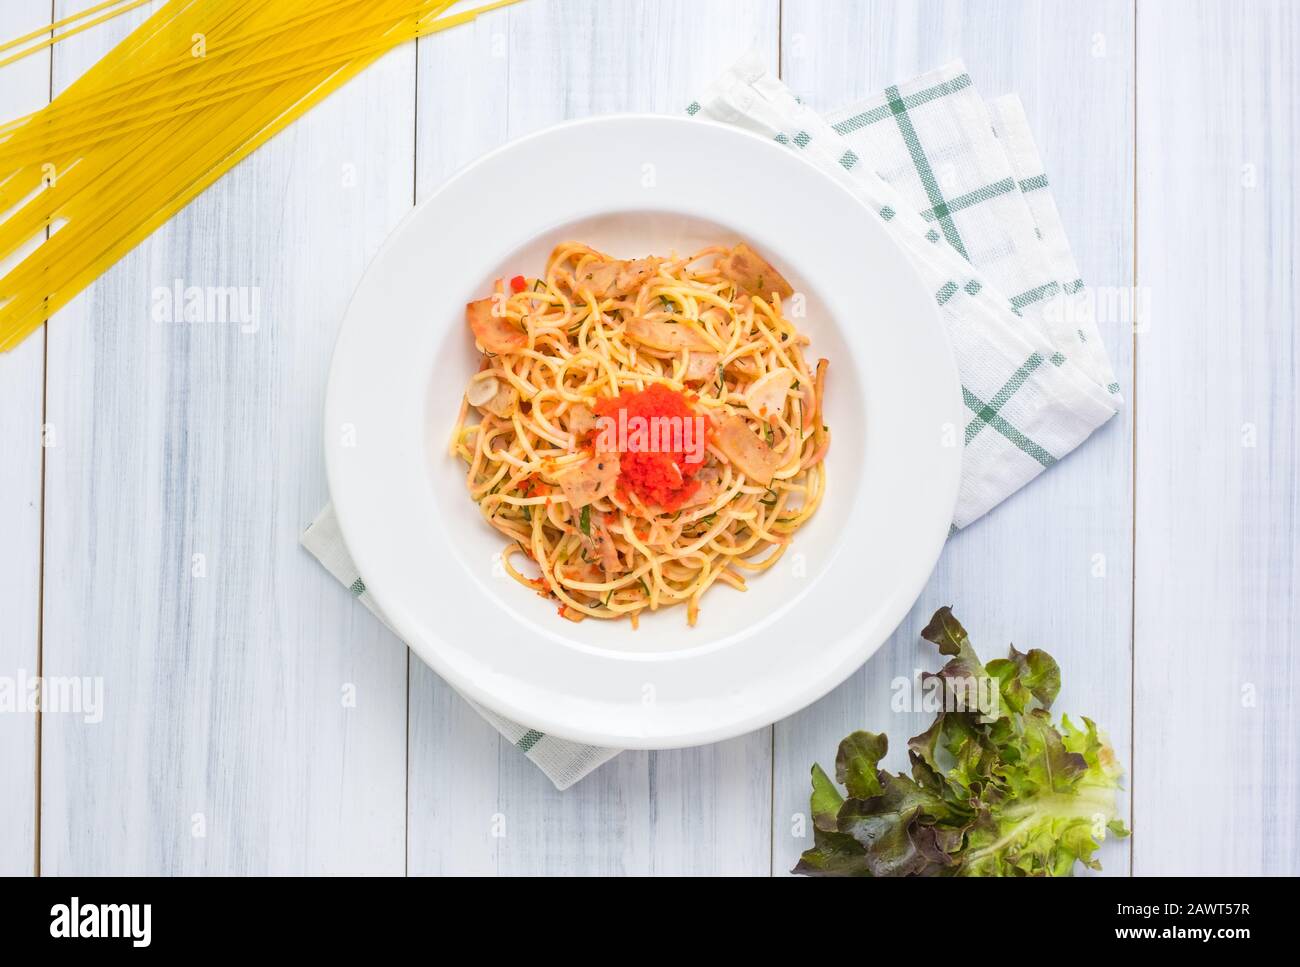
951 177
960 184
563 762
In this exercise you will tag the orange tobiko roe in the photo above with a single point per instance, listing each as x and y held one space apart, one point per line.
650 473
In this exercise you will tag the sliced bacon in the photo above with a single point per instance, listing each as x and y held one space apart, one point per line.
710 486
600 545
672 336
702 366
581 420
590 480
634 274
753 273
751 455
493 333
609 277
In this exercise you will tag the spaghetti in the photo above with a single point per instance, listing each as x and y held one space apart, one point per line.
198 86
644 428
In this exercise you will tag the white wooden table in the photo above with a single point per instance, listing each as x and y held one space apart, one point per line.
1159 563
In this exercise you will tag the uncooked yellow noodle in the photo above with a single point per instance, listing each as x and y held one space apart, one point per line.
47 36
198 86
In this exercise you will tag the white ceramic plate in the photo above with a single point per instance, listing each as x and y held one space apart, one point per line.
633 185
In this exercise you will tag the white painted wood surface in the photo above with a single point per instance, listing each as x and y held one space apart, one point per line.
1024 573
226 744
1218 516
24 87
225 697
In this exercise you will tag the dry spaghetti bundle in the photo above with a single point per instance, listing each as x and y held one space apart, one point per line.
193 90
642 429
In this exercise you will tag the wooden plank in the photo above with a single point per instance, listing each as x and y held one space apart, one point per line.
1025 573
24 87
1218 527
254 716
696 810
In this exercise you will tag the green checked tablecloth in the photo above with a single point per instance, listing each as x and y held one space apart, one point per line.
959 182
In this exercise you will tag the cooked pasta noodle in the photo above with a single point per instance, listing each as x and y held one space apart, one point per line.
620 516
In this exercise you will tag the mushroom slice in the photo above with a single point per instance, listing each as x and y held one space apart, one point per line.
702 366
495 334
479 391
590 480
752 456
766 395
753 273
673 336
503 402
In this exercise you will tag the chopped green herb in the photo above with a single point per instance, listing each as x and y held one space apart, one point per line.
584 520
771 498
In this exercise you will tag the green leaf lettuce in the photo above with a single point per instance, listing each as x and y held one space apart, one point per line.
996 788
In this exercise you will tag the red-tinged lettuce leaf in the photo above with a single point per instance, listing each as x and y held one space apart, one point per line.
946 631
857 762
826 801
892 829
1021 677
994 791
833 854
968 685
923 751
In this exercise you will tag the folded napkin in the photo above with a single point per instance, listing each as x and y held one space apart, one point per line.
960 185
